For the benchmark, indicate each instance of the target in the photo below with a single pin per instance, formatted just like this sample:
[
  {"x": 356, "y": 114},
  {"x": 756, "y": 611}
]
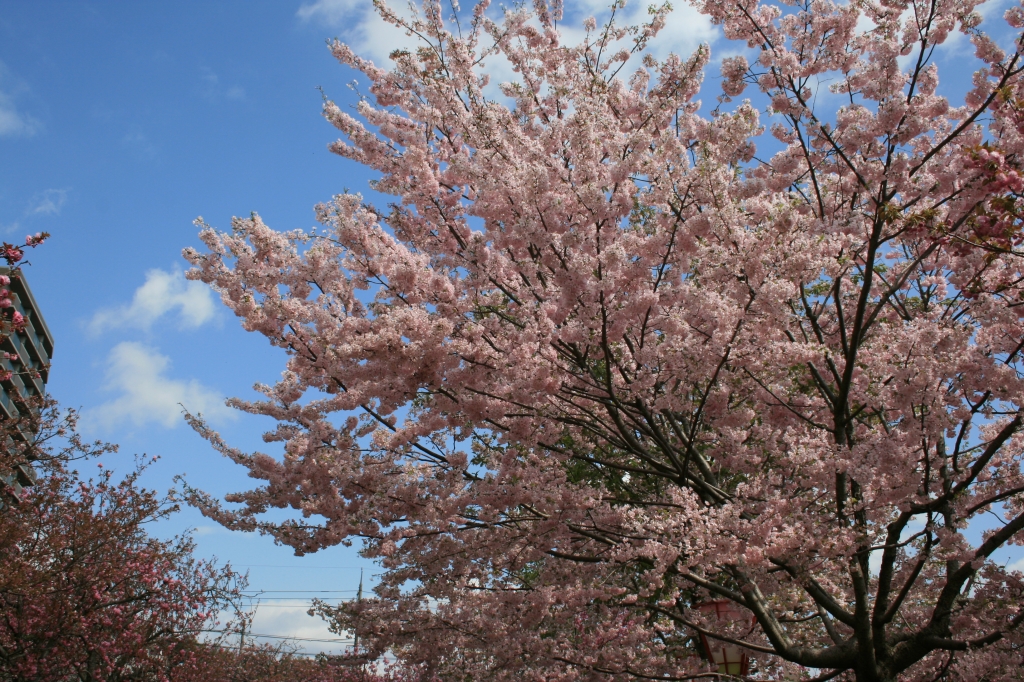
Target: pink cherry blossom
[
  {"x": 604, "y": 360},
  {"x": 85, "y": 592}
]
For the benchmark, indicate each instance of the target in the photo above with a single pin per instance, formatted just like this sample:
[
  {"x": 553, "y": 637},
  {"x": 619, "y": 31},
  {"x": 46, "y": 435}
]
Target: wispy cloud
[
  {"x": 139, "y": 143},
  {"x": 146, "y": 395},
  {"x": 162, "y": 293},
  {"x": 208, "y": 76},
  {"x": 332, "y": 12},
  {"x": 13, "y": 122},
  {"x": 47, "y": 202},
  {"x": 213, "y": 90}
]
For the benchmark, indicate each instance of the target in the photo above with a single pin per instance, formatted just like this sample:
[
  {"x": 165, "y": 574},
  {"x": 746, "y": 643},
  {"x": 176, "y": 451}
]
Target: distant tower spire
[{"x": 359, "y": 598}]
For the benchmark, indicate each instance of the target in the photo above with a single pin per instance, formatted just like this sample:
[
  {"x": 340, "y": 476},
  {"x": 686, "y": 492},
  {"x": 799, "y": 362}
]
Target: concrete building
[{"x": 26, "y": 376}]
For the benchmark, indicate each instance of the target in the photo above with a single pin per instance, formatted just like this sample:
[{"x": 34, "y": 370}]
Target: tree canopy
[{"x": 600, "y": 362}]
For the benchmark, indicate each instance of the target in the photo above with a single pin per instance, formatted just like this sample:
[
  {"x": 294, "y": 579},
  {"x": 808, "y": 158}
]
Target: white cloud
[
  {"x": 162, "y": 293},
  {"x": 371, "y": 37},
  {"x": 685, "y": 27},
  {"x": 147, "y": 395},
  {"x": 12, "y": 121},
  {"x": 48, "y": 202},
  {"x": 1017, "y": 565},
  {"x": 361, "y": 27},
  {"x": 289, "y": 618}
]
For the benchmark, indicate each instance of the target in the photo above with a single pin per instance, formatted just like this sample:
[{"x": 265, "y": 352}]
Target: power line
[
  {"x": 306, "y": 600},
  {"x": 297, "y": 639},
  {"x": 259, "y": 592},
  {"x": 282, "y": 653},
  {"x": 289, "y": 566},
  {"x": 297, "y": 605},
  {"x": 302, "y": 639}
]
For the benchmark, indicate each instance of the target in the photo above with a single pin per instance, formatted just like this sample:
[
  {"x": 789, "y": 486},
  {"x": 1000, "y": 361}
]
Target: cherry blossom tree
[
  {"x": 271, "y": 664},
  {"x": 85, "y": 593},
  {"x": 601, "y": 362}
]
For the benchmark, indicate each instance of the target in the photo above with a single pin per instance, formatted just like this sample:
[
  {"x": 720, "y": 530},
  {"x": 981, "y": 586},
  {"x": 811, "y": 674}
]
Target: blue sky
[{"x": 120, "y": 123}]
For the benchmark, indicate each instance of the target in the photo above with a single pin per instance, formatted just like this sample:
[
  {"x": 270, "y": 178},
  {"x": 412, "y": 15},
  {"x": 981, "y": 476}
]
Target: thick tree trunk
[{"x": 866, "y": 671}]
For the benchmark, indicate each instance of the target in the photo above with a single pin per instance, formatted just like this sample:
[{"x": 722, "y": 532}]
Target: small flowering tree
[
  {"x": 85, "y": 593},
  {"x": 601, "y": 363}
]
